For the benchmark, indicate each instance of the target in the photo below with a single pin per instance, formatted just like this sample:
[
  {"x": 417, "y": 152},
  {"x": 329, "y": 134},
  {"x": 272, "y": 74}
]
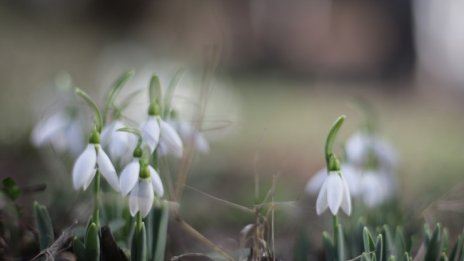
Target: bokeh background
[{"x": 287, "y": 69}]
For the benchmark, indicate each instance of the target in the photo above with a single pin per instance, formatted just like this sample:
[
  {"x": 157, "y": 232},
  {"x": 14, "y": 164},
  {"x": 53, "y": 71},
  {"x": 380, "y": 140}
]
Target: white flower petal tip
[
  {"x": 120, "y": 144},
  {"x": 151, "y": 132},
  {"x": 156, "y": 182},
  {"x": 334, "y": 194},
  {"x": 129, "y": 177},
  {"x": 170, "y": 139},
  {"x": 107, "y": 170},
  {"x": 316, "y": 181},
  {"x": 84, "y": 168},
  {"x": 141, "y": 198}
]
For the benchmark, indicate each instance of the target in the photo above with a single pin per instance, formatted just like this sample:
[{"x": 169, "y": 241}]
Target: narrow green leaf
[
  {"x": 44, "y": 226},
  {"x": 139, "y": 244},
  {"x": 331, "y": 138},
  {"x": 388, "y": 242},
  {"x": 160, "y": 230},
  {"x": 457, "y": 249},
  {"x": 115, "y": 89},
  {"x": 340, "y": 243},
  {"x": 302, "y": 247},
  {"x": 369, "y": 244},
  {"x": 154, "y": 89},
  {"x": 379, "y": 248},
  {"x": 93, "y": 106},
  {"x": 366, "y": 257},
  {"x": 170, "y": 92},
  {"x": 400, "y": 244},
  {"x": 445, "y": 238},
  {"x": 329, "y": 247},
  {"x": 433, "y": 249},
  {"x": 92, "y": 243},
  {"x": 79, "y": 249}
]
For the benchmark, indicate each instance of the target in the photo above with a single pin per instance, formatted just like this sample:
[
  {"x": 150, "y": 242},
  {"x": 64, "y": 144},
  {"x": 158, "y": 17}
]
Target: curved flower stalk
[
  {"x": 119, "y": 144},
  {"x": 92, "y": 160},
  {"x": 334, "y": 192},
  {"x": 62, "y": 131}
]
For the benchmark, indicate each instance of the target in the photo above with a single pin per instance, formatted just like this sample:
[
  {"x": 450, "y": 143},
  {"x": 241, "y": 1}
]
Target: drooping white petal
[
  {"x": 75, "y": 137},
  {"x": 87, "y": 184},
  {"x": 145, "y": 196},
  {"x": 133, "y": 200},
  {"x": 374, "y": 189},
  {"x": 188, "y": 134},
  {"x": 156, "y": 182},
  {"x": 170, "y": 138},
  {"x": 316, "y": 181},
  {"x": 107, "y": 169},
  {"x": 84, "y": 167},
  {"x": 151, "y": 132},
  {"x": 201, "y": 144},
  {"x": 352, "y": 177},
  {"x": 334, "y": 192},
  {"x": 346, "y": 201},
  {"x": 105, "y": 136},
  {"x": 357, "y": 148},
  {"x": 48, "y": 128},
  {"x": 129, "y": 177},
  {"x": 321, "y": 202}
]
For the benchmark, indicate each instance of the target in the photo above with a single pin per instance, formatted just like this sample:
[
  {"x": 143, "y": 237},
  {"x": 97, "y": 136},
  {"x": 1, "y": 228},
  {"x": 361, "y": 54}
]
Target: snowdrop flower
[
  {"x": 142, "y": 183},
  {"x": 61, "y": 131},
  {"x": 170, "y": 141},
  {"x": 376, "y": 188},
  {"x": 334, "y": 194},
  {"x": 351, "y": 175},
  {"x": 361, "y": 146},
  {"x": 120, "y": 144},
  {"x": 91, "y": 160},
  {"x": 158, "y": 133},
  {"x": 189, "y": 134},
  {"x": 150, "y": 130}
]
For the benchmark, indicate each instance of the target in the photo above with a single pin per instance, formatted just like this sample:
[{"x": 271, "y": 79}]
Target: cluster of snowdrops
[{"x": 126, "y": 154}]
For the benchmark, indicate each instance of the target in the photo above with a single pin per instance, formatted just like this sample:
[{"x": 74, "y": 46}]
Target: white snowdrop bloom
[
  {"x": 170, "y": 141},
  {"x": 376, "y": 188},
  {"x": 150, "y": 130},
  {"x": 93, "y": 158},
  {"x": 189, "y": 134},
  {"x": 334, "y": 194},
  {"x": 141, "y": 198},
  {"x": 120, "y": 144},
  {"x": 351, "y": 174},
  {"x": 129, "y": 176},
  {"x": 61, "y": 131},
  {"x": 362, "y": 145},
  {"x": 142, "y": 189}
]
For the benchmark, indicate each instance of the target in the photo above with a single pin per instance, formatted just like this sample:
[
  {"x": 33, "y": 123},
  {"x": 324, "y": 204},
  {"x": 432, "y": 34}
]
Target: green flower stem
[
  {"x": 138, "y": 221},
  {"x": 115, "y": 90},
  {"x": 335, "y": 227},
  {"x": 94, "y": 107},
  {"x": 330, "y": 158},
  {"x": 96, "y": 207}
]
